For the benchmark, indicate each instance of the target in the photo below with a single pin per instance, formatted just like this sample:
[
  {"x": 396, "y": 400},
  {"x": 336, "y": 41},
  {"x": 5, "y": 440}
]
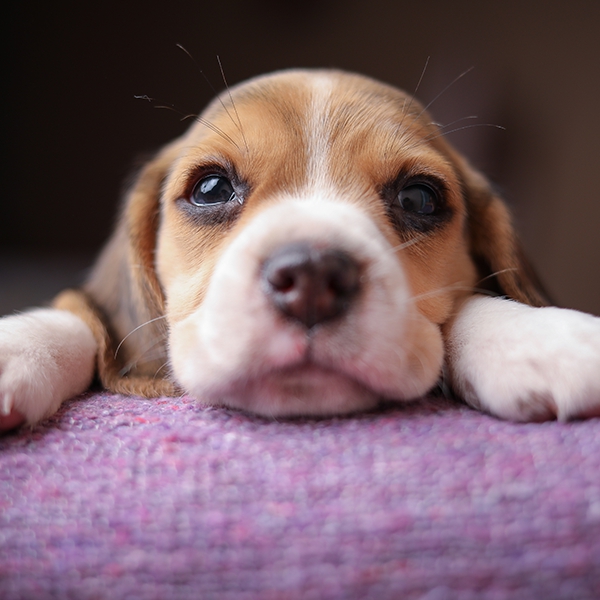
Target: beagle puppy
[{"x": 311, "y": 246}]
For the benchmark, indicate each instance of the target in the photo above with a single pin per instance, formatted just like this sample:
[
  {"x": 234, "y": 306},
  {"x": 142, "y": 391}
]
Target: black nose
[{"x": 311, "y": 285}]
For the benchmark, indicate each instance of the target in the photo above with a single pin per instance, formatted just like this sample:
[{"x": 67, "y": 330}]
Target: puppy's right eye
[
  {"x": 419, "y": 199},
  {"x": 211, "y": 190}
]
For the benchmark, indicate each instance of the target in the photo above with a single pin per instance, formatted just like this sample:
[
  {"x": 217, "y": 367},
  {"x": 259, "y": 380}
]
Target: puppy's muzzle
[{"x": 310, "y": 285}]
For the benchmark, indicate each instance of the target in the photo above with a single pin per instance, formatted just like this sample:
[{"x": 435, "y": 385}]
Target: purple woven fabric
[{"x": 125, "y": 498}]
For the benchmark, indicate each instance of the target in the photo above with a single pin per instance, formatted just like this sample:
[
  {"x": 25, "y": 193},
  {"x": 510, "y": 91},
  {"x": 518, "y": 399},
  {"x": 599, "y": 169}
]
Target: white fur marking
[
  {"x": 525, "y": 363},
  {"x": 318, "y": 138},
  {"x": 46, "y": 357}
]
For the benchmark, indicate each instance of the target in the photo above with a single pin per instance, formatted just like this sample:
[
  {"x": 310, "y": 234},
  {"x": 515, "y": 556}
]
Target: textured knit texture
[{"x": 161, "y": 499}]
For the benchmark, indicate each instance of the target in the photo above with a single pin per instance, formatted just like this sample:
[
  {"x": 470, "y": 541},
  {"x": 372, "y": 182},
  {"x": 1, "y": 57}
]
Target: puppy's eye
[
  {"x": 211, "y": 190},
  {"x": 419, "y": 199}
]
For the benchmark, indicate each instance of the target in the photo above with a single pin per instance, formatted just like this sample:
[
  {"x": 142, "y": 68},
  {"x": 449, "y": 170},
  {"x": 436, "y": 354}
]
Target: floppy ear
[
  {"x": 495, "y": 248},
  {"x": 122, "y": 302}
]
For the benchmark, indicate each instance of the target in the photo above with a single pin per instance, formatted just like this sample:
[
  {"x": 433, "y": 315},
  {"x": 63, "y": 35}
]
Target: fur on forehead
[
  {"x": 278, "y": 123},
  {"x": 293, "y": 96}
]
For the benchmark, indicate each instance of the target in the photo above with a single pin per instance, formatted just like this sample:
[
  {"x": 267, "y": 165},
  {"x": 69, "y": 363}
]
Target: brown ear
[
  {"x": 498, "y": 254},
  {"x": 122, "y": 301}
]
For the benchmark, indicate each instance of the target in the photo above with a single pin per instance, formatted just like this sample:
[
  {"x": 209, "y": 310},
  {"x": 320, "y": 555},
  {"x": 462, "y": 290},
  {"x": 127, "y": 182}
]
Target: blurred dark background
[{"x": 72, "y": 128}]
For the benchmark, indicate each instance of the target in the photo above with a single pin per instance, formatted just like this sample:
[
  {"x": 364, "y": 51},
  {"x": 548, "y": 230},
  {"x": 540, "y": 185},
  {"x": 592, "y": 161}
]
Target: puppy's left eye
[
  {"x": 211, "y": 190},
  {"x": 419, "y": 199}
]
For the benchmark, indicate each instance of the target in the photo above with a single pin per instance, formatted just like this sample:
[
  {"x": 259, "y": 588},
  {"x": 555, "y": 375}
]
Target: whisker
[
  {"x": 136, "y": 329},
  {"x": 160, "y": 369},
  {"x": 239, "y": 122},
  {"x": 149, "y": 354},
  {"x": 442, "y": 127},
  {"x": 427, "y": 106},
  {"x": 507, "y": 270},
  {"x": 184, "y": 116},
  {"x": 437, "y": 291},
  {"x": 406, "y": 109},
  {"x": 452, "y": 288},
  {"x": 206, "y": 79},
  {"x": 217, "y": 95},
  {"x": 476, "y": 289},
  {"x": 407, "y": 244},
  {"x": 438, "y": 134}
]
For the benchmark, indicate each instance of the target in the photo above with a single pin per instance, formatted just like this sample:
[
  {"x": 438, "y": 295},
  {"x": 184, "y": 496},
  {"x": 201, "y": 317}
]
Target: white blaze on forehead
[{"x": 318, "y": 132}]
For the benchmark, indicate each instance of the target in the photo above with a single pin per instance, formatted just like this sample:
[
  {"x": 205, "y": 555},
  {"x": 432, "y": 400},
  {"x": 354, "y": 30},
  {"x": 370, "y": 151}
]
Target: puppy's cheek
[
  {"x": 388, "y": 344},
  {"x": 426, "y": 357},
  {"x": 404, "y": 362},
  {"x": 208, "y": 349},
  {"x": 193, "y": 359},
  {"x": 181, "y": 344}
]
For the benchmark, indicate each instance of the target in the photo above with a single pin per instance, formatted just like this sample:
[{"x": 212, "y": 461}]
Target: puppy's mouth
[{"x": 306, "y": 389}]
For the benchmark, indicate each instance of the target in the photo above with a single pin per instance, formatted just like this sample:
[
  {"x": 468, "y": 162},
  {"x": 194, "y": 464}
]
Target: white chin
[{"x": 295, "y": 391}]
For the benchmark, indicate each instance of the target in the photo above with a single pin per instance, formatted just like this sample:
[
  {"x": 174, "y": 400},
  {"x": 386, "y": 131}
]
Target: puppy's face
[{"x": 311, "y": 247}]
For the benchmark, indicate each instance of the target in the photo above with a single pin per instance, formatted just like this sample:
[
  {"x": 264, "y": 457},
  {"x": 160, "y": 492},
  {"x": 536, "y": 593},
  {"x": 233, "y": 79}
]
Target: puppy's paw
[
  {"x": 524, "y": 363},
  {"x": 46, "y": 356}
]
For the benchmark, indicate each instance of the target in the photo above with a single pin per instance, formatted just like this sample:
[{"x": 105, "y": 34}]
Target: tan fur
[{"x": 381, "y": 128}]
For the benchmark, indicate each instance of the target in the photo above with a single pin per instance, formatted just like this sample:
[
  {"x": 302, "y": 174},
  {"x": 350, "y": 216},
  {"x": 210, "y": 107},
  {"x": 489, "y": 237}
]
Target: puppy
[{"x": 311, "y": 246}]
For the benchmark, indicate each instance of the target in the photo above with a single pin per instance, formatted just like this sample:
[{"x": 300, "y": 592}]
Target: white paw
[
  {"x": 46, "y": 356},
  {"x": 524, "y": 363}
]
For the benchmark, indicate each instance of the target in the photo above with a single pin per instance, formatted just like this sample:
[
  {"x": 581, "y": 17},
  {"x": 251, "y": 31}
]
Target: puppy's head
[{"x": 302, "y": 249}]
